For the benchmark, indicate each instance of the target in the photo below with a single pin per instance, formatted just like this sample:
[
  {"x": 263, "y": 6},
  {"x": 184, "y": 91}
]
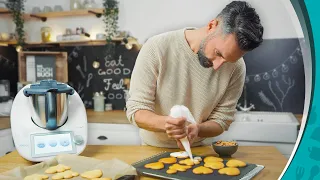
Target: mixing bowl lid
[{"x": 47, "y": 86}]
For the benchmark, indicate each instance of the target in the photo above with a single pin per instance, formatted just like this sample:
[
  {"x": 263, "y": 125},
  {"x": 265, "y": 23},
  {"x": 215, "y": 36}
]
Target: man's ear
[{"x": 212, "y": 25}]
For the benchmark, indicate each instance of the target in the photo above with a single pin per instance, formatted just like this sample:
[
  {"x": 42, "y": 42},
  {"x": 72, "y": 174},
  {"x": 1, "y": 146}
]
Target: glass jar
[
  {"x": 75, "y": 4},
  {"x": 46, "y": 34}
]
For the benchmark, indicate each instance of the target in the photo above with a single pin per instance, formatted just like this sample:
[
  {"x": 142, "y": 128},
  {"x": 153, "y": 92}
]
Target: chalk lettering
[
  {"x": 108, "y": 81},
  {"x": 126, "y": 71},
  {"x": 118, "y": 96},
  {"x": 118, "y": 86}
]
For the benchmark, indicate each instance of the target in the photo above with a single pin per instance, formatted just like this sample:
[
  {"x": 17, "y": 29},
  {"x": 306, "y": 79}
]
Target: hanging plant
[
  {"x": 16, "y": 7},
  {"x": 111, "y": 12}
]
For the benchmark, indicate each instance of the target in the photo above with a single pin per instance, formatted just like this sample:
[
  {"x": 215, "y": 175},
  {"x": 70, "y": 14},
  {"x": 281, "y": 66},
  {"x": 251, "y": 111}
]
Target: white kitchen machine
[{"x": 47, "y": 119}]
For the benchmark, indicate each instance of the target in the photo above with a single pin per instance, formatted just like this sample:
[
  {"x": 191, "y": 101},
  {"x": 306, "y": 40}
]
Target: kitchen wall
[{"x": 144, "y": 18}]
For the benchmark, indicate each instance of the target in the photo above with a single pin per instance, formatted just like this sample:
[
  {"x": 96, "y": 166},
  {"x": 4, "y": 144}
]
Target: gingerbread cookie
[
  {"x": 155, "y": 165},
  {"x": 198, "y": 158},
  {"x": 229, "y": 171},
  {"x": 36, "y": 177},
  {"x": 171, "y": 171},
  {"x": 214, "y": 165},
  {"x": 202, "y": 170},
  {"x": 212, "y": 158},
  {"x": 65, "y": 175},
  {"x": 179, "y": 167},
  {"x": 181, "y": 154},
  {"x": 58, "y": 168},
  {"x": 169, "y": 160},
  {"x": 97, "y": 173},
  {"x": 236, "y": 163},
  {"x": 189, "y": 162}
]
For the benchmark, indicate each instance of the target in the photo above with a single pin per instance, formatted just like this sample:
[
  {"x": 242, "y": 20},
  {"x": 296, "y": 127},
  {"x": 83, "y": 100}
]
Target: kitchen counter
[
  {"x": 270, "y": 157},
  {"x": 109, "y": 117}
]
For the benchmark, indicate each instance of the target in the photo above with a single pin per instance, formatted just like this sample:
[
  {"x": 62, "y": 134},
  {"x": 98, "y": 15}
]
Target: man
[{"x": 202, "y": 69}]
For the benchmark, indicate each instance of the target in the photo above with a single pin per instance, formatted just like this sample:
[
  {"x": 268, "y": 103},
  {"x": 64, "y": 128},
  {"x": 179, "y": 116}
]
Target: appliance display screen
[{"x": 48, "y": 144}]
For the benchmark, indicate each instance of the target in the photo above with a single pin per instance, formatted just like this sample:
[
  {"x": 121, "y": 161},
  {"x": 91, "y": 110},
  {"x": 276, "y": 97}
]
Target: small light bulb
[
  {"x": 18, "y": 48},
  {"x": 128, "y": 46}
]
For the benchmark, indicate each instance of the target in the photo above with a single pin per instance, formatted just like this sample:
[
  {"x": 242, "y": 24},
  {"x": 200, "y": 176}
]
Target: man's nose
[{"x": 218, "y": 63}]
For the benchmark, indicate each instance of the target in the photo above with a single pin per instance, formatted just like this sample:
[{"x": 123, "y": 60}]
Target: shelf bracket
[
  {"x": 43, "y": 19},
  {"x": 95, "y": 13}
]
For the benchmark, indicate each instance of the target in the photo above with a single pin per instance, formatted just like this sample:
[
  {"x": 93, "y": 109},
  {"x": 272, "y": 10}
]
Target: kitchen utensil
[
  {"x": 314, "y": 172},
  {"x": 299, "y": 173},
  {"x": 224, "y": 151},
  {"x": 48, "y": 118},
  {"x": 314, "y": 153},
  {"x": 247, "y": 172},
  {"x": 57, "y": 8},
  {"x": 36, "y": 10},
  {"x": 47, "y": 9},
  {"x": 178, "y": 111},
  {"x": 80, "y": 70}
]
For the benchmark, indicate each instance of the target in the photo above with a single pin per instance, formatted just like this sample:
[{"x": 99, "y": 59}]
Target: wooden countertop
[
  {"x": 109, "y": 117},
  {"x": 268, "y": 156}
]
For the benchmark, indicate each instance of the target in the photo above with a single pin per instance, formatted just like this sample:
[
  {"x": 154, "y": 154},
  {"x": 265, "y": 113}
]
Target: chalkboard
[
  {"x": 107, "y": 78},
  {"x": 275, "y": 76},
  {"x": 8, "y": 67}
]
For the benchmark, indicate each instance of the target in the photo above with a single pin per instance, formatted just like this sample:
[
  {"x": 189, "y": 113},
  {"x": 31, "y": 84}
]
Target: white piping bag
[{"x": 178, "y": 111}]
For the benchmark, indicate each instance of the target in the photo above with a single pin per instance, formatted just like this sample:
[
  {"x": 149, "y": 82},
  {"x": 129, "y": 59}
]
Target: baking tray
[{"x": 246, "y": 173}]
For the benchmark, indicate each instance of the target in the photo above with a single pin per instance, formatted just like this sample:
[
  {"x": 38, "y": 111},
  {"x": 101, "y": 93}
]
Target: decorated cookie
[
  {"x": 36, "y": 177},
  {"x": 202, "y": 170},
  {"x": 65, "y": 175},
  {"x": 198, "y": 158},
  {"x": 214, "y": 164},
  {"x": 155, "y": 165},
  {"x": 189, "y": 162},
  {"x": 58, "y": 168},
  {"x": 97, "y": 173},
  {"x": 179, "y": 167},
  {"x": 171, "y": 171},
  {"x": 181, "y": 154},
  {"x": 169, "y": 160},
  {"x": 229, "y": 171},
  {"x": 212, "y": 158},
  {"x": 236, "y": 163}
]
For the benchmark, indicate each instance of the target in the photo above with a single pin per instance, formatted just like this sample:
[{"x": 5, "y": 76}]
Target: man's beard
[{"x": 204, "y": 61}]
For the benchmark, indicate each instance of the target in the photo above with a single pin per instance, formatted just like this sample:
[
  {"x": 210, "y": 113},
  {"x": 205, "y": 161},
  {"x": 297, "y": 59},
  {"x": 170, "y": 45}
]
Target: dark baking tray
[{"x": 245, "y": 173}]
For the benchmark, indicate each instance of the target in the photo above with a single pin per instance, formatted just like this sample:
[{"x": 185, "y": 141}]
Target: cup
[
  {"x": 36, "y": 10},
  {"x": 58, "y": 8},
  {"x": 314, "y": 153},
  {"x": 47, "y": 9}
]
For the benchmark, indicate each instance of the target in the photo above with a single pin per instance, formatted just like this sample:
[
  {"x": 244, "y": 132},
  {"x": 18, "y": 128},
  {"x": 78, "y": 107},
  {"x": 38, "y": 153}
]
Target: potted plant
[{"x": 16, "y": 7}]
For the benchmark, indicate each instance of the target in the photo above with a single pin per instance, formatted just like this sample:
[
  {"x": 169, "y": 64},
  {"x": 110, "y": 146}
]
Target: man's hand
[
  {"x": 175, "y": 127},
  {"x": 192, "y": 133}
]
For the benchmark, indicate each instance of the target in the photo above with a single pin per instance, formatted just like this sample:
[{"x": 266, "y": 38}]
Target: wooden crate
[{"x": 61, "y": 65}]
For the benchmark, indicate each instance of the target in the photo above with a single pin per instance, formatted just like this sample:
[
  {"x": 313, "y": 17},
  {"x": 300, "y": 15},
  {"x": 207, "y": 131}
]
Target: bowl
[{"x": 225, "y": 148}]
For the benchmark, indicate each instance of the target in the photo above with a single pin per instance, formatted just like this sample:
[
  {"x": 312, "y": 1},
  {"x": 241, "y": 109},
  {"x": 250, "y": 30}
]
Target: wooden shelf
[
  {"x": 66, "y": 43},
  {"x": 44, "y": 16}
]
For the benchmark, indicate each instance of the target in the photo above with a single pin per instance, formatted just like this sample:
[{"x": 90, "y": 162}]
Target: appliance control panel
[{"x": 51, "y": 144}]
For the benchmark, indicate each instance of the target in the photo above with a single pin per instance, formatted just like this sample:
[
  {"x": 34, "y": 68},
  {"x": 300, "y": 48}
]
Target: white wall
[{"x": 144, "y": 18}]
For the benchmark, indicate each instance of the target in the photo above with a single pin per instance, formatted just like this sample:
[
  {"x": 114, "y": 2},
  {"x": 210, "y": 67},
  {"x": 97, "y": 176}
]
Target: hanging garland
[
  {"x": 293, "y": 59},
  {"x": 111, "y": 12},
  {"x": 16, "y": 7}
]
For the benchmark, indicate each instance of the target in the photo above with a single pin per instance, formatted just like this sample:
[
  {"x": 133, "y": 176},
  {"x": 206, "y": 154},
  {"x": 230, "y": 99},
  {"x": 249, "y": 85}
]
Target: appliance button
[
  {"x": 64, "y": 142},
  {"x": 53, "y": 143},
  {"x": 78, "y": 140},
  {"x": 41, "y": 145}
]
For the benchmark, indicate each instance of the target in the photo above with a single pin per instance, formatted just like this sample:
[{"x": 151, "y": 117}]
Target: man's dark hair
[{"x": 240, "y": 18}]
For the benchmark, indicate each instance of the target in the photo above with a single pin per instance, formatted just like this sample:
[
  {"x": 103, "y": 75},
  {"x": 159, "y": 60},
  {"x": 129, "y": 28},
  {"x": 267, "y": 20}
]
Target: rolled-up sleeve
[
  {"x": 143, "y": 81},
  {"x": 224, "y": 112}
]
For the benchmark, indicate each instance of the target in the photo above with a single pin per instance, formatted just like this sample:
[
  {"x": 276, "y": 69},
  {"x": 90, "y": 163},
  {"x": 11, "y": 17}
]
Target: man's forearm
[
  {"x": 150, "y": 121},
  {"x": 210, "y": 129}
]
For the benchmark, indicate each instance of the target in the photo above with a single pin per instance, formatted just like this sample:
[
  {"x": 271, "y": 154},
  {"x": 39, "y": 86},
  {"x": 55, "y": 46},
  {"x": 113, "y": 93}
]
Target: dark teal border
[{"x": 306, "y": 160}]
